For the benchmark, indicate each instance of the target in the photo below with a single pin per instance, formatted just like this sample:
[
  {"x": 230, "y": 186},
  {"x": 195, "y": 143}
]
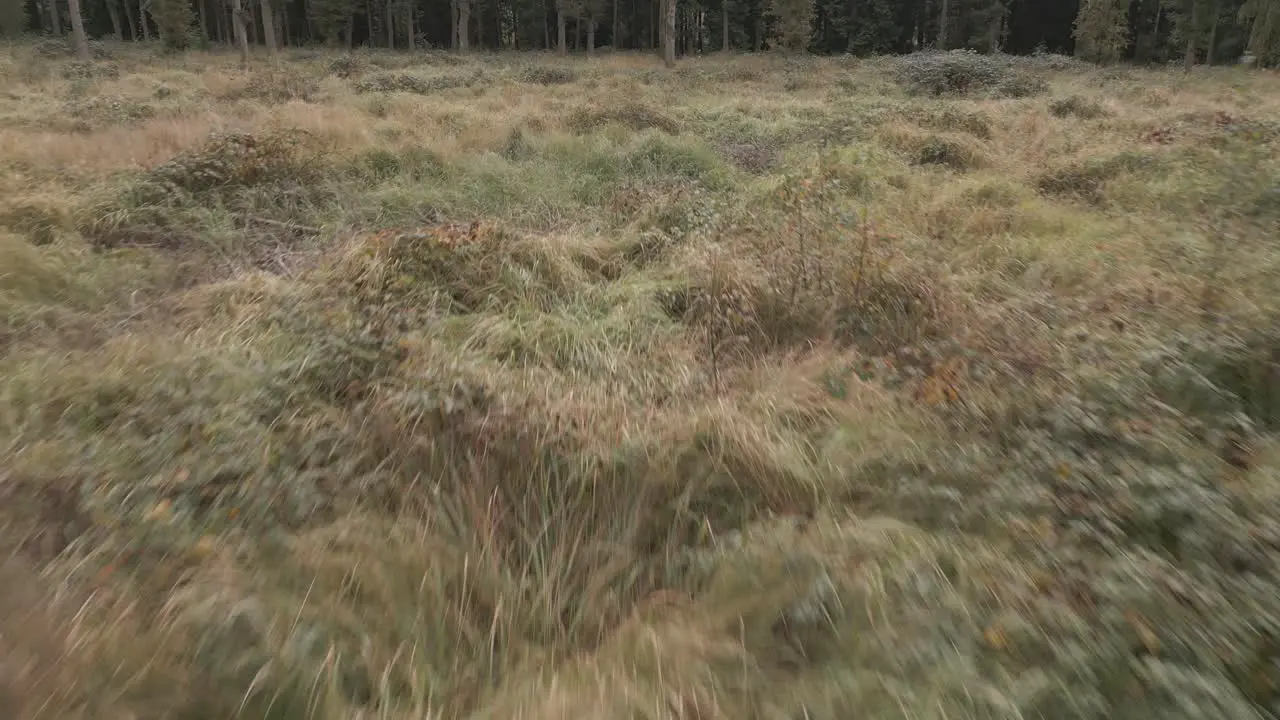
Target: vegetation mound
[{"x": 611, "y": 392}]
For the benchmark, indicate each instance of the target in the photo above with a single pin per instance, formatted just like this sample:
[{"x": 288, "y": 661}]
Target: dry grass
[{"x": 519, "y": 386}]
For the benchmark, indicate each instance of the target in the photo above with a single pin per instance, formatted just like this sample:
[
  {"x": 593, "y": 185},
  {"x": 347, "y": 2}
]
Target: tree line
[{"x": 1142, "y": 31}]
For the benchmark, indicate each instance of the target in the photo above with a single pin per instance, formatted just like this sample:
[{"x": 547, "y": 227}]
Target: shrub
[
  {"x": 99, "y": 111},
  {"x": 276, "y": 85},
  {"x": 634, "y": 116},
  {"x": 415, "y": 84},
  {"x": 344, "y": 66},
  {"x": 547, "y": 75},
  {"x": 950, "y": 118},
  {"x": 231, "y": 160},
  {"x": 950, "y": 153},
  {"x": 1020, "y": 85},
  {"x": 944, "y": 73},
  {"x": 751, "y": 157},
  {"x": 57, "y": 48},
  {"x": 416, "y": 163},
  {"x": 1085, "y": 181},
  {"x": 1077, "y": 106},
  {"x": 80, "y": 70}
]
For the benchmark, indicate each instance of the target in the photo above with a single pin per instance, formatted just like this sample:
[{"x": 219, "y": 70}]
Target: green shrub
[{"x": 957, "y": 72}]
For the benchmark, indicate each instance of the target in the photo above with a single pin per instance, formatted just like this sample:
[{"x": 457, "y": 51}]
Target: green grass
[{"x": 547, "y": 388}]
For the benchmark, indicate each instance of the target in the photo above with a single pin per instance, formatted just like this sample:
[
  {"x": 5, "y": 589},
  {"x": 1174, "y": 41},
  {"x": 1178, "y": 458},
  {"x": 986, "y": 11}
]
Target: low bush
[
  {"x": 957, "y": 72},
  {"x": 634, "y": 116},
  {"x": 547, "y": 75},
  {"x": 415, "y": 84},
  {"x": 343, "y": 66},
  {"x": 105, "y": 111},
  {"x": 1077, "y": 106},
  {"x": 275, "y": 85}
]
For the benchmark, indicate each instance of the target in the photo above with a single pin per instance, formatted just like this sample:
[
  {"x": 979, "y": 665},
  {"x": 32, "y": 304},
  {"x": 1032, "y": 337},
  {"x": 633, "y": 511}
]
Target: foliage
[
  {"x": 756, "y": 389},
  {"x": 547, "y": 75},
  {"x": 1077, "y": 106},
  {"x": 957, "y": 72},
  {"x": 174, "y": 19},
  {"x": 344, "y": 66},
  {"x": 416, "y": 84},
  {"x": 1102, "y": 30},
  {"x": 792, "y": 22}
]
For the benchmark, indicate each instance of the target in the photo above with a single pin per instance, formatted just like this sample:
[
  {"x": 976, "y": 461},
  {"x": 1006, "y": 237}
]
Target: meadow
[{"x": 391, "y": 385}]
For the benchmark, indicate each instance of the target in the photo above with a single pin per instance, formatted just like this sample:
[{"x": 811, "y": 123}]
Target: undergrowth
[{"x": 606, "y": 392}]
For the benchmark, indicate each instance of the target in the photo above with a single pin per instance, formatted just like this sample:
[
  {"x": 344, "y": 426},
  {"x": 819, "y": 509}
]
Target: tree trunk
[
  {"x": 1213, "y": 34},
  {"x": 391, "y": 28},
  {"x": 114, "y": 12},
  {"x": 128, "y": 18},
  {"x": 204, "y": 18},
  {"x": 654, "y": 12},
  {"x": 224, "y": 31},
  {"x": 1189, "y": 57},
  {"x": 453, "y": 24},
  {"x": 351, "y": 30},
  {"x": 77, "y": 31},
  {"x": 268, "y": 27},
  {"x": 142, "y": 22},
  {"x": 546, "y": 31},
  {"x": 617, "y": 28},
  {"x": 237, "y": 26},
  {"x": 669, "y": 28},
  {"x": 724, "y": 30},
  {"x": 409, "y": 28},
  {"x": 944, "y": 19},
  {"x": 561, "y": 30},
  {"x": 54, "y": 19},
  {"x": 591, "y": 36},
  {"x": 464, "y": 25},
  {"x": 851, "y": 42}
]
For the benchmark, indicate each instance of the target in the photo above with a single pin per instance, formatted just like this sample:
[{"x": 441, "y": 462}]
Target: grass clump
[
  {"x": 274, "y": 86},
  {"x": 957, "y": 72},
  {"x": 547, "y": 75},
  {"x": 344, "y": 66},
  {"x": 732, "y": 394},
  {"x": 99, "y": 111},
  {"x": 1087, "y": 181},
  {"x": 1077, "y": 106},
  {"x": 633, "y": 116},
  {"x": 408, "y": 83}
]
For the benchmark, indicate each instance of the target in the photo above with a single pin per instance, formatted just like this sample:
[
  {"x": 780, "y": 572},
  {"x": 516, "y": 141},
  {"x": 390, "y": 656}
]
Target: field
[{"x": 514, "y": 386}]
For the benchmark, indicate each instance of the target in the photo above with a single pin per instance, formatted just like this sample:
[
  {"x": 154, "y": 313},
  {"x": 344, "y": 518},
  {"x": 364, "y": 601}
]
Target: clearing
[{"x": 419, "y": 386}]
